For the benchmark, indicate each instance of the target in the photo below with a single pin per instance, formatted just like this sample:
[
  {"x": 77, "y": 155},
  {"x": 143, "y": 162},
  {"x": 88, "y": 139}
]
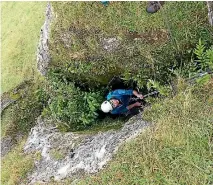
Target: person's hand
[
  {"x": 137, "y": 104},
  {"x": 140, "y": 96}
]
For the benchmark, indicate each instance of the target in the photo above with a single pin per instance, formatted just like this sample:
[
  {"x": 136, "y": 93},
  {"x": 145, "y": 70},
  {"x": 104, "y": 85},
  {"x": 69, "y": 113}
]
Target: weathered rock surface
[
  {"x": 5, "y": 102},
  {"x": 210, "y": 12},
  {"x": 110, "y": 44},
  {"x": 43, "y": 55},
  {"x": 84, "y": 153},
  {"x": 6, "y": 145}
]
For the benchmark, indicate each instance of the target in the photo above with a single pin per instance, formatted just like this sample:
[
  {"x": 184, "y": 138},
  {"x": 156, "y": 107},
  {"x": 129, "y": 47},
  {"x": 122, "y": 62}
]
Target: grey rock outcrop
[
  {"x": 7, "y": 144},
  {"x": 210, "y": 12},
  {"x": 5, "y": 102},
  {"x": 43, "y": 55},
  {"x": 84, "y": 153}
]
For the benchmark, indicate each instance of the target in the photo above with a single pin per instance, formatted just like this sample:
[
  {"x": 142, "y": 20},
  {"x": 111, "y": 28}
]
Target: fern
[
  {"x": 204, "y": 57},
  {"x": 199, "y": 51},
  {"x": 209, "y": 58}
]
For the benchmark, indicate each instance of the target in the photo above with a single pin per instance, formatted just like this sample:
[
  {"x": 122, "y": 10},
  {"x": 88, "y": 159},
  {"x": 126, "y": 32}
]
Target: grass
[
  {"x": 163, "y": 40},
  {"x": 87, "y": 22},
  {"x": 56, "y": 154},
  {"x": 16, "y": 165},
  {"x": 20, "y": 28},
  {"x": 177, "y": 150},
  {"x": 21, "y": 116}
]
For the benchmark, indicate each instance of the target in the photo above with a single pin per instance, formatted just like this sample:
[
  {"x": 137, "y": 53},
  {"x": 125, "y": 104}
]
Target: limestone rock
[
  {"x": 43, "y": 55},
  {"x": 210, "y": 12},
  {"x": 84, "y": 153},
  {"x": 7, "y": 144}
]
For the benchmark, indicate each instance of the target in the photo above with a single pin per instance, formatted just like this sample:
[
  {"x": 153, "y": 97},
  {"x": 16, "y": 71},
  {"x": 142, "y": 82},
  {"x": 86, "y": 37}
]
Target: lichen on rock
[{"x": 84, "y": 153}]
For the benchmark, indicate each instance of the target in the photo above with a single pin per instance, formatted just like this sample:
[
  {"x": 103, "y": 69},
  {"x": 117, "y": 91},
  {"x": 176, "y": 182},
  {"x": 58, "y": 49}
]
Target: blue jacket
[{"x": 123, "y": 96}]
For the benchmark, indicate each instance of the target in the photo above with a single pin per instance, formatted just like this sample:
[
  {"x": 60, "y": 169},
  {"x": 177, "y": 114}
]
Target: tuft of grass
[
  {"x": 176, "y": 150},
  {"x": 56, "y": 154},
  {"x": 16, "y": 165},
  {"x": 20, "y": 28}
]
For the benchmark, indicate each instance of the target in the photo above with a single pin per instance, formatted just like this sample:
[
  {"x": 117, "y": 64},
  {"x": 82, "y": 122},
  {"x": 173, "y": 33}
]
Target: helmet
[{"x": 106, "y": 106}]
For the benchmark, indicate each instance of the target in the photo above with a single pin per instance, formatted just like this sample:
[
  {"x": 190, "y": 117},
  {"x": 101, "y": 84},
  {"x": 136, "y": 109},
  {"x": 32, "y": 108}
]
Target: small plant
[
  {"x": 204, "y": 56},
  {"x": 56, "y": 154},
  {"x": 201, "y": 63},
  {"x": 163, "y": 90}
]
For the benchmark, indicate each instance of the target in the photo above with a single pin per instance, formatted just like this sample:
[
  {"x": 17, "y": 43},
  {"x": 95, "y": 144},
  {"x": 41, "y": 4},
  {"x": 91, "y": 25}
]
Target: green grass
[
  {"x": 88, "y": 22},
  {"x": 21, "y": 116},
  {"x": 15, "y": 166},
  {"x": 165, "y": 38},
  {"x": 56, "y": 154},
  {"x": 20, "y": 29},
  {"x": 177, "y": 150}
]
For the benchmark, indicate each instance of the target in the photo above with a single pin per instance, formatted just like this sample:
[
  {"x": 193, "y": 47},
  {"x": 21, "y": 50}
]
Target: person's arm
[
  {"x": 127, "y": 92},
  {"x": 136, "y": 104},
  {"x": 137, "y": 94}
]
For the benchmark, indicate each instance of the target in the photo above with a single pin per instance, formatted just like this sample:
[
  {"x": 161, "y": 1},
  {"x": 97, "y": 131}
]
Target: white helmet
[{"x": 106, "y": 106}]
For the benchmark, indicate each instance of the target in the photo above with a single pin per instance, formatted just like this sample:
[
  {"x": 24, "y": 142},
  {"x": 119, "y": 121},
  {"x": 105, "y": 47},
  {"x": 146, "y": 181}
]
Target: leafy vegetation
[
  {"x": 149, "y": 54},
  {"x": 20, "y": 29},
  {"x": 74, "y": 109}
]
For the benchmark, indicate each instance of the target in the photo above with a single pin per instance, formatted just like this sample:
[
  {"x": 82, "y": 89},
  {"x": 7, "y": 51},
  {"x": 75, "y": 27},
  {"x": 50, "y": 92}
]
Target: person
[
  {"x": 119, "y": 101},
  {"x": 154, "y": 6}
]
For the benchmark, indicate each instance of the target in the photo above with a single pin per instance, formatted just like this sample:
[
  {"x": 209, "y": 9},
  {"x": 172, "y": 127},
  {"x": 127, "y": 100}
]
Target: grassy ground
[
  {"x": 21, "y": 116},
  {"x": 15, "y": 165},
  {"x": 119, "y": 18},
  {"x": 162, "y": 39},
  {"x": 177, "y": 150},
  {"x": 20, "y": 29}
]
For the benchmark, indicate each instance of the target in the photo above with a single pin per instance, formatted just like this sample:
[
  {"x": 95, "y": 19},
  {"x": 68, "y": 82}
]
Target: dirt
[{"x": 152, "y": 37}]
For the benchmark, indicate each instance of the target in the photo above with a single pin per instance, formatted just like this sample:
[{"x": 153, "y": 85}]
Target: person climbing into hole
[
  {"x": 119, "y": 101},
  {"x": 123, "y": 99}
]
